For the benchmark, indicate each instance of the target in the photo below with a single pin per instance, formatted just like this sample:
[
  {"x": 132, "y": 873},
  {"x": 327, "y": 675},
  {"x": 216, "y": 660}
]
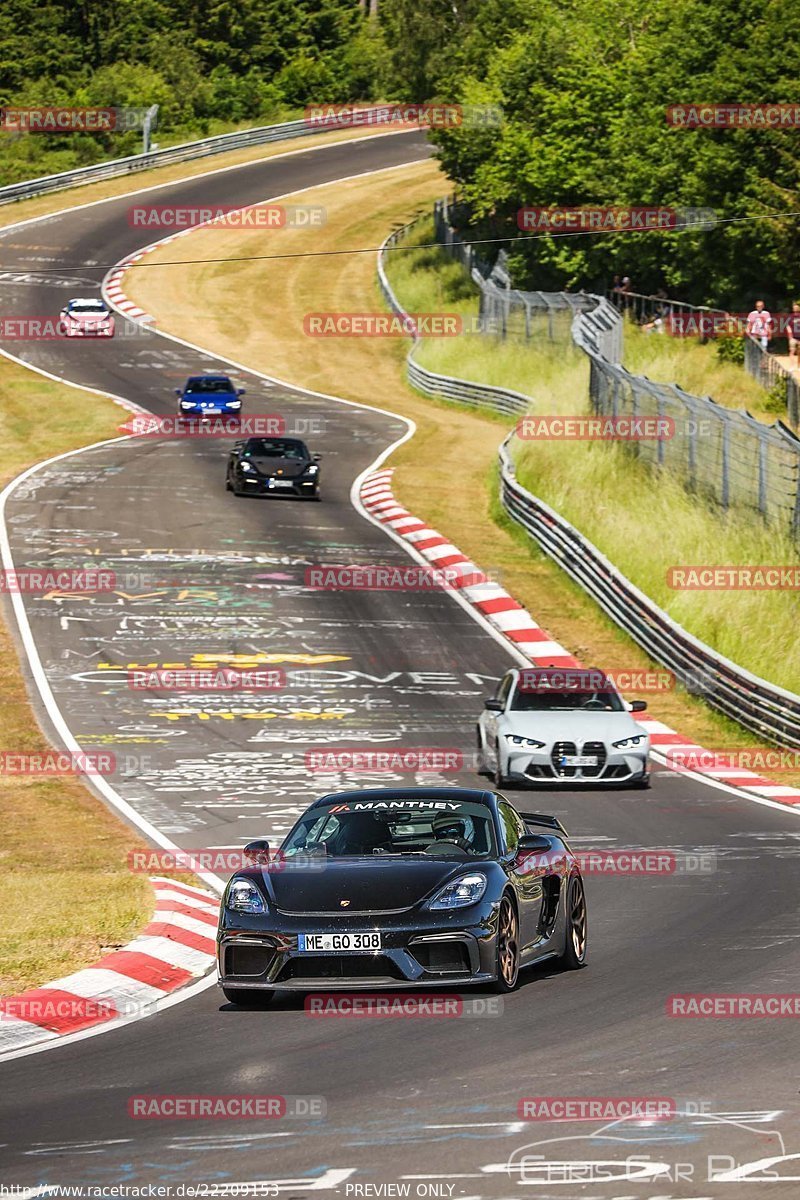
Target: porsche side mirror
[
  {"x": 257, "y": 853},
  {"x": 638, "y": 705},
  {"x": 533, "y": 843},
  {"x": 315, "y": 457},
  {"x": 494, "y": 705}
]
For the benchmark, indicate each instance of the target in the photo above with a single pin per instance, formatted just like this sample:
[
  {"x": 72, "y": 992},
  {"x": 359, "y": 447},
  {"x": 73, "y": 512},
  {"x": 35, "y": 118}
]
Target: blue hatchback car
[{"x": 209, "y": 396}]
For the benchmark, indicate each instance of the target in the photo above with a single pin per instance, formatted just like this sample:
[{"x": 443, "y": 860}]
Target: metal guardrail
[
  {"x": 431, "y": 383},
  {"x": 760, "y": 706},
  {"x": 171, "y": 154}
]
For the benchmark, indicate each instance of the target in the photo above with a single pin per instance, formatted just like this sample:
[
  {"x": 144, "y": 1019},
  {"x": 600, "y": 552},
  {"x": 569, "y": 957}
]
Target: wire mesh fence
[{"x": 724, "y": 455}]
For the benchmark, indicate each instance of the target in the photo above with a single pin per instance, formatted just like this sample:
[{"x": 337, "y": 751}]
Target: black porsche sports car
[
  {"x": 402, "y": 888},
  {"x": 260, "y": 466}
]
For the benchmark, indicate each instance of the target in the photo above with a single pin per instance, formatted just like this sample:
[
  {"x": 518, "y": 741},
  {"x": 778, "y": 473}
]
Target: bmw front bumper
[{"x": 613, "y": 769}]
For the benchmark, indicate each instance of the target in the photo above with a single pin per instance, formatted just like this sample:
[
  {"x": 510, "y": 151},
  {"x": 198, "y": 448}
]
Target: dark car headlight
[
  {"x": 458, "y": 893},
  {"x": 624, "y": 743},
  {"x": 312, "y": 470},
  {"x": 246, "y": 466},
  {"x": 244, "y": 896}
]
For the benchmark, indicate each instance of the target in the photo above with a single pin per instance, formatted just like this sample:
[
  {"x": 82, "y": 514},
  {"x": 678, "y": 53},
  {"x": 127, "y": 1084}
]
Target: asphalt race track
[{"x": 429, "y": 1105}]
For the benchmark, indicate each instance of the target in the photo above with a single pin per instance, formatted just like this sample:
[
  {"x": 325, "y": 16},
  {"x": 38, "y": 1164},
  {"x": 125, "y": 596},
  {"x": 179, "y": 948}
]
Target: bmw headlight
[
  {"x": 244, "y": 896},
  {"x": 468, "y": 889},
  {"x": 627, "y": 742},
  {"x": 187, "y": 403},
  {"x": 245, "y": 466},
  {"x": 234, "y": 404},
  {"x": 524, "y": 743}
]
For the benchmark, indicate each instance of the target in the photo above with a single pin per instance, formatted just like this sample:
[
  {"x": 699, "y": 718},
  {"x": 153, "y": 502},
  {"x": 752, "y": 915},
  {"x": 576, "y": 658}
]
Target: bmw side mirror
[
  {"x": 177, "y": 391},
  {"x": 257, "y": 853},
  {"x": 494, "y": 705},
  {"x": 638, "y": 705},
  {"x": 240, "y": 391}
]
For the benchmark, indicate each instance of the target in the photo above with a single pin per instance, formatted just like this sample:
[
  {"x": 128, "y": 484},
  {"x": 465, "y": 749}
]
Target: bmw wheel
[
  {"x": 574, "y": 956},
  {"x": 507, "y": 946},
  {"x": 498, "y": 778}
]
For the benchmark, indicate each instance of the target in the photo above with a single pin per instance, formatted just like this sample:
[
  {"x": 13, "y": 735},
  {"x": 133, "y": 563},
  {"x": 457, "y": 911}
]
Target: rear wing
[{"x": 543, "y": 819}]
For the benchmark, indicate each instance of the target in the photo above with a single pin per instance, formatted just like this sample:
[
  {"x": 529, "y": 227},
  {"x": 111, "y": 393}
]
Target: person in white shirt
[{"x": 759, "y": 324}]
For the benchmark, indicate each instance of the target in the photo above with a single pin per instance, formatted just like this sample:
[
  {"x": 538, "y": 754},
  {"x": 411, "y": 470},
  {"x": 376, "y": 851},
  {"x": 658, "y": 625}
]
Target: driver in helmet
[{"x": 451, "y": 830}]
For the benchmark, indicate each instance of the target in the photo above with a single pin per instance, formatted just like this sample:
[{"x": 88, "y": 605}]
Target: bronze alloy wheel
[
  {"x": 574, "y": 956},
  {"x": 507, "y": 946}
]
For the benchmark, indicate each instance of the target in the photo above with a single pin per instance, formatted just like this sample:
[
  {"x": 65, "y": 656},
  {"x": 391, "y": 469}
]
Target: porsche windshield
[
  {"x": 457, "y": 830},
  {"x": 275, "y": 448}
]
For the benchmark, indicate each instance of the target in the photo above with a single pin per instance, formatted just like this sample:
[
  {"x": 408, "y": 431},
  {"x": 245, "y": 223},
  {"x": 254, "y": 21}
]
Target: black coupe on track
[
  {"x": 402, "y": 888},
  {"x": 260, "y": 466}
]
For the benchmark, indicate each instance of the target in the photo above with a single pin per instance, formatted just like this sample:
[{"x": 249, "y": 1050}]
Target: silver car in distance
[{"x": 562, "y": 728}]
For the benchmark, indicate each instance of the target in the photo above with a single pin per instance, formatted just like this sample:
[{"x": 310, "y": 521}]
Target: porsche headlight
[
  {"x": 312, "y": 470},
  {"x": 524, "y": 743},
  {"x": 244, "y": 896},
  {"x": 458, "y": 893},
  {"x": 626, "y": 743},
  {"x": 245, "y": 466}
]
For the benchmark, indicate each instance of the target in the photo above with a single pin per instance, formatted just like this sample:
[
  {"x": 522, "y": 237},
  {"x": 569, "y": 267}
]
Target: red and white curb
[
  {"x": 518, "y": 627},
  {"x": 176, "y": 948},
  {"x": 112, "y": 290}
]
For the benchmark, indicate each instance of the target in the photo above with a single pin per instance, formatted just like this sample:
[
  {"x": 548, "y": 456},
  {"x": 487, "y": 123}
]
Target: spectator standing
[
  {"x": 793, "y": 330},
  {"x": 759, "y": 324}
]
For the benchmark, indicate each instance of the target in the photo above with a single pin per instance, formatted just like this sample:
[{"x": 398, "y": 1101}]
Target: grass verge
[
  {"x": 210, "y": 304},
  {"x": 59, "y": 842}
]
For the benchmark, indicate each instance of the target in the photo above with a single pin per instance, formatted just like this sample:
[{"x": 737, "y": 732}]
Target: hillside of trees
[{"x": 583, "y": 90}]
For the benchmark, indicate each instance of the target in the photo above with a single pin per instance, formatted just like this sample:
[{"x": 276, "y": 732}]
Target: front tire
[
  {"x": 498, "y": 778},
  {"x": 507, "y": 947},
  {"x": 252, "y": 998},
  {"x": 575, "y": 938}
]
